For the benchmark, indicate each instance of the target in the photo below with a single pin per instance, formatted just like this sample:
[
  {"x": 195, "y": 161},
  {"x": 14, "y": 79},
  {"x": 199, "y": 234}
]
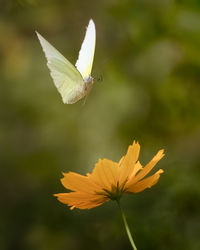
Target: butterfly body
[
  {"x": 72, "y": 82},
  {"x": 88, "y": 83}
]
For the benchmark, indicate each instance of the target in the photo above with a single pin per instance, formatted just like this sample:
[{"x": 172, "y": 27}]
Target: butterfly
[{"x": 72, "y": 82}]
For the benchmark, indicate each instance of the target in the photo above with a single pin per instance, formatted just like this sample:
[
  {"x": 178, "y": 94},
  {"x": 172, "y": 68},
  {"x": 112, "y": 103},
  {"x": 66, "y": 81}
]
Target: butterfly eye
[{"x": 98, "y": 78}]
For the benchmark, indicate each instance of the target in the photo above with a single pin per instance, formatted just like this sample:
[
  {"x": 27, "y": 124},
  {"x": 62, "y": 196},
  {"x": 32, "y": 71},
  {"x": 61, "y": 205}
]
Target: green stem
[{"x": 126, "y": 226}]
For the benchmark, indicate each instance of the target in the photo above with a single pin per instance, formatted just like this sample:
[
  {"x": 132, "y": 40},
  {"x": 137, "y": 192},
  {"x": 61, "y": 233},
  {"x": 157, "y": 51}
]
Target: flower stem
[{"x": 126, "y": 226}]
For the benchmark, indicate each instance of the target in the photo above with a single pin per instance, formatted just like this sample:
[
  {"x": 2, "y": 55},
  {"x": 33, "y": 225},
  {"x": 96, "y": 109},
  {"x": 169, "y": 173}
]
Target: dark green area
[{"x": 148, "y": 53}]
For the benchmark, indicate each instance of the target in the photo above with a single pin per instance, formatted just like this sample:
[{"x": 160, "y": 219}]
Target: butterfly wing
[
  {"x": 66, "y": 77},
  {"x": 86, "y": 53}
]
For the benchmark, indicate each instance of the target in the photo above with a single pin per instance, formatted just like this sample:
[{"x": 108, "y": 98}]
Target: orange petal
[
  {"x": 77, "y": 182},
  {"x": 121, "y": 160},
  {"x": 149, "y": 166},
  {"x": 81, "y": 200},
  {"x": 128, "y": 163},
  {"x": 138, "y": 166},
  {"x": 131, "y": 179},
  {"x": 88, "y": 205},
  {"x": 145, "y": 183},
  {"x": 105, "y": 173}
]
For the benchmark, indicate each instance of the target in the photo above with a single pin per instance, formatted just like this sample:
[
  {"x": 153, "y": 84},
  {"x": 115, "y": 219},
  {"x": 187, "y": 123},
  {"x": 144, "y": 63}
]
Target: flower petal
[
  {"x": 145, "y": 183},
  {"x": 138, "y": 166},
  {"x": 149, "y": 166},
  {"x": 131, "y": 179},
  {"x": 128, "y": 163},
  {"x": 77, "y": 182},
  {"x": 105, "y": 173},
  {"x": 81, "y": 200}
]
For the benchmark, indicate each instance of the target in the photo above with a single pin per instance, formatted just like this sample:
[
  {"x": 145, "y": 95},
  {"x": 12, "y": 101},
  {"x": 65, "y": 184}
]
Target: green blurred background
[{"x": 148, "y": 54}]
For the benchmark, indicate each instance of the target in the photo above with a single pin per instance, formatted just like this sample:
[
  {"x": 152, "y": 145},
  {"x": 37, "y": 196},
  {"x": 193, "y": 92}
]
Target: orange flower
[{"x": 109, "y": 180}]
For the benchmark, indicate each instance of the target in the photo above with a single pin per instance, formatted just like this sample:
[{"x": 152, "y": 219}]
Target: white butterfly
[{"x": 73, "y": 83}]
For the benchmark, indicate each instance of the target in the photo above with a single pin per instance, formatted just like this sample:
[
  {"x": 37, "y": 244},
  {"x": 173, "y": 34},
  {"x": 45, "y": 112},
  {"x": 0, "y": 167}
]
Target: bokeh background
[{"x": 148, "y": 54}]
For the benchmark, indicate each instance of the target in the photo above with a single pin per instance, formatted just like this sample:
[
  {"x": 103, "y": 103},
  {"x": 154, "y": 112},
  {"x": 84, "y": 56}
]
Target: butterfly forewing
[
  {"x": 66, "y": 77},
  {"x": 86, "y": 53}
]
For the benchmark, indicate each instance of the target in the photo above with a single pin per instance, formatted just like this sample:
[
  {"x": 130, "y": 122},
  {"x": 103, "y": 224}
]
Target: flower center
[{"x": 115, "y": 193}]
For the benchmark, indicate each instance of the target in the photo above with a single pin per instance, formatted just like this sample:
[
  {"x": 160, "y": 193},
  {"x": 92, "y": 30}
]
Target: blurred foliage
[{"x": 148, "y": 55}]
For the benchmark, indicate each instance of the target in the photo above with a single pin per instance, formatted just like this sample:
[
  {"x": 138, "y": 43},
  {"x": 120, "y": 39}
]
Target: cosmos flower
[{"x": 109, "y": 180}]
